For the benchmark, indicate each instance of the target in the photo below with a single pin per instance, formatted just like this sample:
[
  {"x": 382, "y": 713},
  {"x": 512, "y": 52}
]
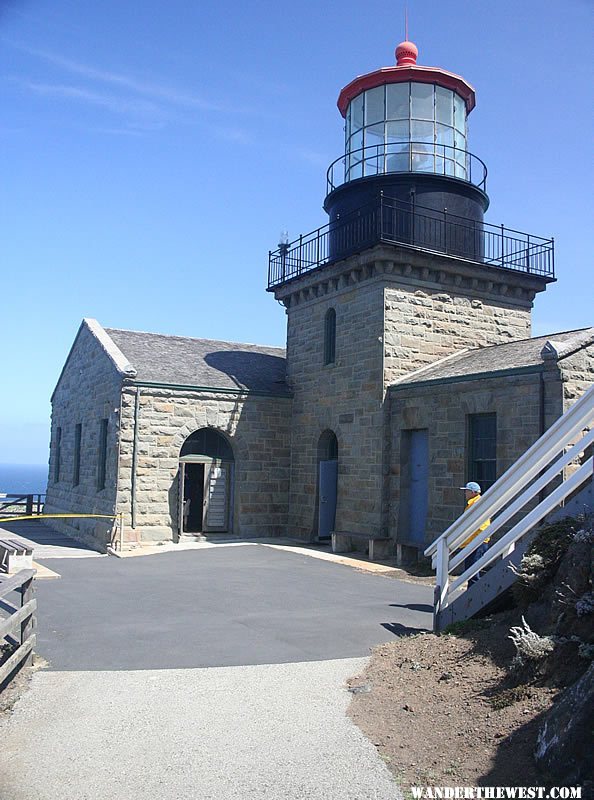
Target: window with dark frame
[
  {"x": 58, "y": 455},
  {"x": 328, "y": 446},
  {"x": 102, "y": 466},
  {"x": 330, "y": 336},
  {"x": 482, "y": 449},
  {"x": 76, "y": 467},
  {"x": 208, "y": 442}
]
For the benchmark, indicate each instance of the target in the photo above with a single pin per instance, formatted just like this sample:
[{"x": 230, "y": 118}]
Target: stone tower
[{"x": 405, "y": 273}]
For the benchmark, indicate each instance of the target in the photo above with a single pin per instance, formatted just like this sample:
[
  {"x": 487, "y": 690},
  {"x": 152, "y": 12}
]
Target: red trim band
[{"x": 434, "y": 75}]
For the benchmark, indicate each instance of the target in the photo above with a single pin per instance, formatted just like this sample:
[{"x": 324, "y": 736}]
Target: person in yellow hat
[{"x": 472, "y": 493}]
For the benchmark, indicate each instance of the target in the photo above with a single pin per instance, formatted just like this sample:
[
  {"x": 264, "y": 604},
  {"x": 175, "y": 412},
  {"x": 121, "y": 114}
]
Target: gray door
[
  {"x": 327, "y": 509},
  {"x": 419, "y": 485}
]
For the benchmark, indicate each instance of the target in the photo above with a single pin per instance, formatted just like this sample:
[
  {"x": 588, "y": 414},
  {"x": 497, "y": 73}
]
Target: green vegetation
[
  {"x": 509, "y": 696},
  {"x": 543, "y": 557},
  {"x": 466, "y": 626}
]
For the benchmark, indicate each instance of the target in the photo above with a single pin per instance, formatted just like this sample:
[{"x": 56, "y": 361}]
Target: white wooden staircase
[{"x": 540, "y": 481}]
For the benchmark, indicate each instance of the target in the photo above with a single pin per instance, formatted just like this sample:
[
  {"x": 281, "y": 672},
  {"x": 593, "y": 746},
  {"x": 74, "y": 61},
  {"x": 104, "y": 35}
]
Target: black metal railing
[
  {"x": 394, "y": 157},
  {"x": 21, "y": 504},
  {"x": 390, "y": 220}
]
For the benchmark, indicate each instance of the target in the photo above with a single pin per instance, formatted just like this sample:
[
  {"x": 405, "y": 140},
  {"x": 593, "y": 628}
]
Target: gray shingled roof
[
  {"x": 521, "y": 354},
  {"x": 180, "y": 360}
]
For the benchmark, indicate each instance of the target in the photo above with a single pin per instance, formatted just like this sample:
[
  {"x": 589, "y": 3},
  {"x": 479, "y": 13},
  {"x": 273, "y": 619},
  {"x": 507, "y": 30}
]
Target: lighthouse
[
  {"x": 406, "y": 140},
  {"x": 405, "y": 273}
]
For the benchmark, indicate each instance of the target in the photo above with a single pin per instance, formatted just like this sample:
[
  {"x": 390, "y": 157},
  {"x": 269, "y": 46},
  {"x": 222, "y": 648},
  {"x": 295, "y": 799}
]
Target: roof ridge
[
  {"x": 196, "y": 338},
  {"x": 536, "y": 338},
  {"x": 544, "y": 337},
  {"x": 406, "y": 376},
  {"x": 560, "y": 349}
]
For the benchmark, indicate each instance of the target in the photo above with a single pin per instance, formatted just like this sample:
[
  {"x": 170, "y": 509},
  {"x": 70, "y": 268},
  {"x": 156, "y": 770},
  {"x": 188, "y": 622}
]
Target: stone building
[
  {"x": 154, "y": 426},
  {"x": 409, "y": 366}
]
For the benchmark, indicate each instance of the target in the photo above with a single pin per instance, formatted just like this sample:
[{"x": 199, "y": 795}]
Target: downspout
[
  {"x": 117, "y": 471},
  {"x": 542, "y": 403},
  {"x": 134, "y": 460},
  {"x": 541, "y": 399},
  {"x": 386, "y": 408}
]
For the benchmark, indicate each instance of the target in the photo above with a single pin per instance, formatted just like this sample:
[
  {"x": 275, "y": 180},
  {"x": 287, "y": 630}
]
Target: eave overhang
[{"x": 385, "y": 75}]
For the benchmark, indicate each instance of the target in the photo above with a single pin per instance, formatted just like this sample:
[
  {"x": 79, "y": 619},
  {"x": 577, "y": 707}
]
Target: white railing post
[
  {"x": 578, "y": 417},
  {"x": 511, "y": 493},
  {"x": 442, "y": 579}
]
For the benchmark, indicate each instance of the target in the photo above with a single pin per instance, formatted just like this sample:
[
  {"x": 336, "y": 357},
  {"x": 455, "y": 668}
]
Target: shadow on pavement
[{"x": 402, "y": 630}]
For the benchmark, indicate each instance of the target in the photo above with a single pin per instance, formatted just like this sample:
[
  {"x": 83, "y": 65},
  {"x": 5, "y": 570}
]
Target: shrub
[
  {"x": 585, "y": 605},
  {"x": 529, "y": 645},
  {"x": 543, "y": 557}
]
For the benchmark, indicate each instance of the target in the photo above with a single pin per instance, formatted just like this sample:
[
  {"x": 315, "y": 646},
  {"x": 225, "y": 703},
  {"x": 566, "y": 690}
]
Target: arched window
[
  {"x": 328, "y": 446},
  {"x": 207, "y": 442},
  {"x": 330, "y": 337}
]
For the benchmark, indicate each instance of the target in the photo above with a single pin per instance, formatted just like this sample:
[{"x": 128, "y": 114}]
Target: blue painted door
[
  {"x": 327, "y": 488},
  {"x": 419, "y": 485}
]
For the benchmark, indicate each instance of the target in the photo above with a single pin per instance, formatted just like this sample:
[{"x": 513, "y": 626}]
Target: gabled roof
[
  {"x": 117, "y": 359},
  {"x": 523, "y": 354},
  {"x": 204, "y": 363}
]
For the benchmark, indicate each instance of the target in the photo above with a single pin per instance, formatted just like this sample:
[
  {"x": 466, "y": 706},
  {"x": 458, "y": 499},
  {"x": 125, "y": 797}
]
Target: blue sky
[{"x": 151, "y": 152}]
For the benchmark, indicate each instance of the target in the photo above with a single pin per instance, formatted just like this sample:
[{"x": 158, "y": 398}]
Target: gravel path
[{"x": 278, "y": 732}]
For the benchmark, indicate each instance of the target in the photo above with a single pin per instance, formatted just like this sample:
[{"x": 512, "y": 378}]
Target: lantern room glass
[{"x": 406, "y": 127}]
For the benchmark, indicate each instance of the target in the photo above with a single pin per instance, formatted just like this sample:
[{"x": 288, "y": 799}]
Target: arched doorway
[
  {"x": 206, "y": 463},
  {"x": 327, "y": 483}
]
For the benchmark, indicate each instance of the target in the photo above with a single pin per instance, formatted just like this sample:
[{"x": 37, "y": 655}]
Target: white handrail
[
  {"x": 527, "y": 523},
  {"x": 549, "y": 455},
  {"x": 570, "y": 424},
  {"x": 530, "y": 492}
]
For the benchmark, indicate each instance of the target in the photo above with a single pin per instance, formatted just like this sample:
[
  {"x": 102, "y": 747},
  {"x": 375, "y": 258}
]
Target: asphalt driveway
[{"x": 223, "y": 606}]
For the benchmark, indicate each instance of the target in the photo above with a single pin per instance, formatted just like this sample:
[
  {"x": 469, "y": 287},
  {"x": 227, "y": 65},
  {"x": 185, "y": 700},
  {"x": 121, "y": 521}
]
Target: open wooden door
[
  {"x": 216, "y": 497},
  {"x": 180, "y": 499}
]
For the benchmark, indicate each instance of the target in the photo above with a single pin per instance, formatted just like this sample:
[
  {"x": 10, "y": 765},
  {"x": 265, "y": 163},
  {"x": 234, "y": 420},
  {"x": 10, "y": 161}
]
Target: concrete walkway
[
  {"x": 276, "y": 732},
  {"x": 46, "y": 542}
]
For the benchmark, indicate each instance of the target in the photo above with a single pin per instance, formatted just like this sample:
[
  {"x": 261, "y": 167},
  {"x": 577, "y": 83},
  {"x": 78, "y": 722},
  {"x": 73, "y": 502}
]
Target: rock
[
  {"x": 573, "y": 581},
  {"x": 363, "y": 688},
  {"x": 564, "y": 746}
]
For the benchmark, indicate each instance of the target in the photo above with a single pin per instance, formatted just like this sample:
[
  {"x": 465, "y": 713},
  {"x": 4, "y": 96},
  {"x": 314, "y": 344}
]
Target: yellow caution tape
[{"x": 62, "y": 516}]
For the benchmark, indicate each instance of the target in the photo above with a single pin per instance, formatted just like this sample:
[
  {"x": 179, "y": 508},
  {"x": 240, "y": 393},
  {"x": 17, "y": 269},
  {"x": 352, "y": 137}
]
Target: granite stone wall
[
  {"x": 345, "y": 397},
  {"x": 256, "y": 427},
  {"x": 392, "y": 317},
  {"x": 444, "y": 410},
  {"x": 424, "y": 325},
  {"x": 87, "y": 392},
  {"x": 577, "y": 374}
]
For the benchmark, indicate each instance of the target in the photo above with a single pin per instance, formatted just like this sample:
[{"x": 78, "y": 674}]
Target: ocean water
[{"x": 25, "y": 478}]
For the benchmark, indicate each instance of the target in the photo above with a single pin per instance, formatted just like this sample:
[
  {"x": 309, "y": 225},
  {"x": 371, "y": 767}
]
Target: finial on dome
[{"x": 406, "y": 54}]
